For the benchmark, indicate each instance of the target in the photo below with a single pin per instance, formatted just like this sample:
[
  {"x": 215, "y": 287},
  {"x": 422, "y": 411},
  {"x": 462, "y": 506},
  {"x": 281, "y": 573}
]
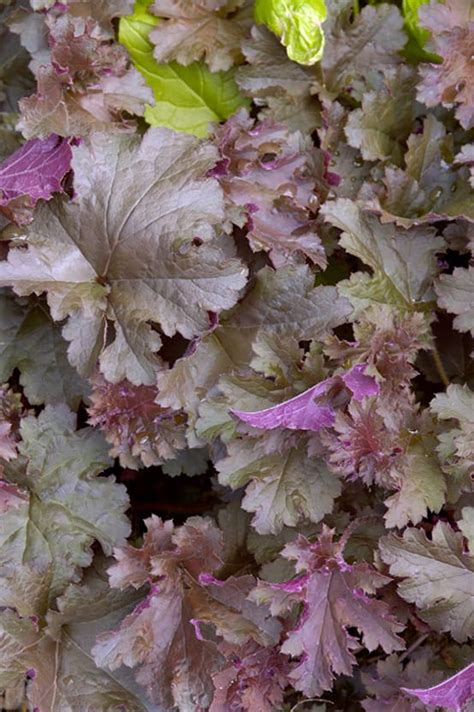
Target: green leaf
[
  {"x": 56, "y": 506},
  {"x": 187, "y": 98},
  {"x": 403, "y": 262},
  {"x": 422, "y": 486},
  {"x": 298, "y": 24},
  {"x": 417, "y": 35},
  {"x": 31, "y": 342},
  {"x": 438, "y": 576},
  {"x": 466, "y": 525},
  {"x": 65, "y": 676},
  {"x": 284, "y": 487}
]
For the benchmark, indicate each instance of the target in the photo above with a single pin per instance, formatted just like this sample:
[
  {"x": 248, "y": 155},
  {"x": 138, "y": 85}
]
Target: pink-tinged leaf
[
  {"x": 11, "y": 497},
  {"x": 165, "y": 637},
  {"x": 33, "y": 173},
  {"x": 253, "y": 678},
  {"x": 360, "y": 384},
  {"x": 315, "y": 408},
  {"x": 451, "y": 694},
  {"x": 336, "y": 597},
  {"x": 273, "y": 180},
  {"x": 139, "y": 430},
  {"x": 7, "y": 443}
]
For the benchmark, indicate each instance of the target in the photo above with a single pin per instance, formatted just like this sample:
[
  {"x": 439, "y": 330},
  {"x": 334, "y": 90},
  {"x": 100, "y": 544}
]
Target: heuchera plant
[{"x": 236, "y": 375}]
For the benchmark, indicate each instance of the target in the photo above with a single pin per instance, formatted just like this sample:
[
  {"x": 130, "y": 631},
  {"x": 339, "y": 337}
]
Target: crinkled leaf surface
[
  {"x": 57, "y": 656},
  {"x": 455, "y": 446},
  {"x": 438, "y": 576},
  {"x": 199, "y": 30},
  {"x": 157, "y": 637},
  {"x": 281, "y": 302},
  {"x": 139, "y": 430},
  {"x": 279, "y": 306},
  {"x": 61, "y": 505},
  {"x": 429, "y": 187},
  {"x": 124, "y": 251},
  {"x": 451, "y": 81},
  {"x": 355, "y": 50},
  {"x": 380, "y": 126},
  {"x": 334, "y": 596},
  {"x": 273, "y": 80},
  {"x": 253, "y": 678},
  {"x": 422, "y": 485},
  {"x": 298, "y": 23},
  {"x": 286, "y": 487},
  {"x": 403, "y": 262}
]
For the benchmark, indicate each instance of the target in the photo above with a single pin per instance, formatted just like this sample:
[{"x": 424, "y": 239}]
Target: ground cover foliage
[{"x": 236, "y": 321}]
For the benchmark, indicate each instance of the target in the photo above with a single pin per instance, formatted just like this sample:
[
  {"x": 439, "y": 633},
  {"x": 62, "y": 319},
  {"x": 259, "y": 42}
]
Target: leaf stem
[
  {"x": 310, "y": 699},
  {"x": 414, "y": 646},
  {"x": 439, "y": 365}
]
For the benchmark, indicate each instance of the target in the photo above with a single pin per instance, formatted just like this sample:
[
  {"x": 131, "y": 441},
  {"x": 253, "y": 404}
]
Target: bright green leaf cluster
[
  {"x": 187, "y": 98},
  {"x": 418, "y": 35},
  {"x": 298, "y": 24}
]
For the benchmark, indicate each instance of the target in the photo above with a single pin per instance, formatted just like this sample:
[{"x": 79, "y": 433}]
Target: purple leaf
[
  {"x": 450, "y": 694},
  {"x": 308, "y": 411},
  {"x": 32, "y": 173}
]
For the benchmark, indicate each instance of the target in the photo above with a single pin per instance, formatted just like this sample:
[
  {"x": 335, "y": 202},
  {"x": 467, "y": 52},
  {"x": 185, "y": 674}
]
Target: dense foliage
[{"x": 236, "y": 320}]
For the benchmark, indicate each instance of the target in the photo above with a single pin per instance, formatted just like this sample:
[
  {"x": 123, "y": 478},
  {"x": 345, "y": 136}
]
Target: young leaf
[
  {"x": 139, "y": 430},
  {"x": 253, "y": 678},
  {"x": 33, "y": 173},
  {"x": 275, "y": 179},
  {"x": 456, "y": 448},
  {"x": 84, "y": 81},
  {"x": 298, "y": 24},
  {"x": 451, "y": 25},
  {"x": 186, "y": 98}
]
